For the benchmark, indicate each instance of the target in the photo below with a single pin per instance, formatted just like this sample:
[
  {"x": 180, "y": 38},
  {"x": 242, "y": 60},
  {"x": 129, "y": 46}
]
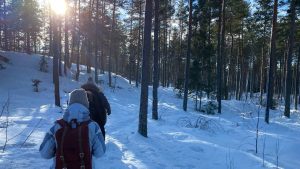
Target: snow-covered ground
[{"x": 220, "y": 142}]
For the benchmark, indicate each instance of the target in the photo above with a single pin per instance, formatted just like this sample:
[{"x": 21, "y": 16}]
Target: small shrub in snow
[
  {"x": 43, "y": 64},
  {"x": 209, "y": 107},
  {"x": 201, "y": 123},
  {"x": 179, "y": 93},
  {"x": 35, "y": 84},
  {"x": 274, "y": 103}
]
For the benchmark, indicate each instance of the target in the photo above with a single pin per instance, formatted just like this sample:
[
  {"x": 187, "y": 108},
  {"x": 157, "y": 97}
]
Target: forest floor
[{"x": 178, "y": 140}]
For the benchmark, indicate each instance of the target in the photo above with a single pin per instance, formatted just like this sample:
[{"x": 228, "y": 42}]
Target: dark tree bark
[
  {"x": 78, "y": 43},
  {"x": 89, "y": 37},
  {"x": 131, "y": 62},
  {"x": 59, "y": 47},
  {"x": 66, "y": 59},
  {"x": 28, "y": 47},
  {"x": 262, "y": 65},
  {"x": 155, "y": 62},
  {"x": 272, "y": 63},
  {"x": 145, "y": 70},
  {"x": 221, "y": 54},
  {"x": 96, "y": 41},
  {"x": 297, "y": 81},
  {"x": 187, "y": 64},
  {"x": 288, "y": 81},
  {"x": 137, "y": 76},
  {"x": 242, "y": 64},
  {"x": 111, "y": 42},
  {"x": 5, "y": 31},
  {"x": 102, "y": 43},
  {"x": 55, "y": 61}
]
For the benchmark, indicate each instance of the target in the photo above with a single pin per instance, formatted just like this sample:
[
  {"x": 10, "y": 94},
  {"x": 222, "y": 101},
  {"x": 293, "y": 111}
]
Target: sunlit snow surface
[{"x": 227, "y": 142}]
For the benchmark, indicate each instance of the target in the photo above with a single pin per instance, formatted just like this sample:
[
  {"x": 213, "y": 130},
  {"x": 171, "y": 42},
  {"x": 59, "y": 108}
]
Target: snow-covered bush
[
  {"x": 43, "y": 64},
  {"x": 209, "y": 107}
]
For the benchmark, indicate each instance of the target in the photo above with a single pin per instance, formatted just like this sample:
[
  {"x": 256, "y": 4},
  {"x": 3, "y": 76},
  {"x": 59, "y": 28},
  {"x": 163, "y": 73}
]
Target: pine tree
[
  {"x": 221, "y": 46},
  {"x": 288, "y": 81},
  {"x": 145, "y": 70},
  {"x": 272, "y": 63},
  {"x": 30, "y": 21},
  {"x": 55, "y": 60},
  {"x": 187, "y": 64},
  {"x": 155, "y": 61}
]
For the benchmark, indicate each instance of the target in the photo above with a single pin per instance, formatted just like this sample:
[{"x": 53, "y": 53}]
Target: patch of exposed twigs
[
  {"x": 5, "y": 108},
  {"x": 201, "y": 123}
]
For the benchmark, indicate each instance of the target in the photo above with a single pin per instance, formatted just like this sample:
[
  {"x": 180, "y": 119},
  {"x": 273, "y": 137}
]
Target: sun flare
[{"x": 58, "y": 6}]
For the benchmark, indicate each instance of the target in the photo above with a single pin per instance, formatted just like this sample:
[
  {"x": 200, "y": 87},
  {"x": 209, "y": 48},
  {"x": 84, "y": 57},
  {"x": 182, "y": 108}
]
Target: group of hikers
[{"x": 80, "y": 134}]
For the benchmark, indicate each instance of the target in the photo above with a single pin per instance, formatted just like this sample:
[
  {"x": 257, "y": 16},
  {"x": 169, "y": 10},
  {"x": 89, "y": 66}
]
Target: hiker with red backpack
[
  {"x": 98, "y": 104},
  {"x": 75, "y": 138}
]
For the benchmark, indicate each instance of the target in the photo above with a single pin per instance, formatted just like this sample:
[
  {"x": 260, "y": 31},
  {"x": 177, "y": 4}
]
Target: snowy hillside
[{"x": 225, "y": 141}]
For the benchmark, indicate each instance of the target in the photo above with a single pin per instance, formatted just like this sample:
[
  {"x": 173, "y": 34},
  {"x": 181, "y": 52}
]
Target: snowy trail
[{"x": 229, "y": 143}]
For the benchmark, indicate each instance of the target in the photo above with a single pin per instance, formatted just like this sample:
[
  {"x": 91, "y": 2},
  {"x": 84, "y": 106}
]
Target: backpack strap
[
  {"x": 64, "y": 125},
  {"x": 81, "y": 153}
]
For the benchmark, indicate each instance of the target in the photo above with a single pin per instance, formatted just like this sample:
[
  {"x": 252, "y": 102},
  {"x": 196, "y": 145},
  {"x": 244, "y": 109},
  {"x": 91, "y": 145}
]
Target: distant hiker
[
  {"x": 75, "y": 138},
  {"x": 98, "y": 104}
]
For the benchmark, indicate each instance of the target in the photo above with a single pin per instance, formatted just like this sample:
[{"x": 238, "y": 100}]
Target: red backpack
[{"x": 73, "y": 150}]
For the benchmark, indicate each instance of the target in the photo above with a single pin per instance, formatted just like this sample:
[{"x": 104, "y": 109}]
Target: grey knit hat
[{"x": 79, "y": 96}]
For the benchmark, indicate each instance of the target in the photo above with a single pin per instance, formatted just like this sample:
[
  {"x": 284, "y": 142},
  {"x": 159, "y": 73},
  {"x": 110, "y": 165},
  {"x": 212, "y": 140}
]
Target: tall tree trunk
[
  {"x": 243, "y": 66},
  {"x": 263, "y": 62},
  {"x": 66, "y": 59},
  {"x": 284, "y": 71},
  {"x": 55, "y": 62},
  {"x": 111, "y": 42},
  {"x": 231, "y": 58},
  {"x": 131, "y": 48},
  {"x": 179, "y": 73},
  {"x": 28, "y": 50},
  {"x": 78, "y": 43},
  {"x": 252, "y": 71},
  {"x": 297, "y": 81},
  {"x": 137, "y": 76},
  {"x": 155, "y": 62},
  {"x": 187, "y": 64},
  {"x": 272, "y": 63},
  {"x": 221, "y": 56},
  {"x": 102, "y": 43},
  {"x": 96, "y": 41},
  {"x": 34, "y": 42},
  {"x": 5, "y": 26},
  {"x": 89, "y": 37},
  {"x": 145, "y": 70},
  {"x": 289, "y": 59},
  {"x": 59, "y": 47}
]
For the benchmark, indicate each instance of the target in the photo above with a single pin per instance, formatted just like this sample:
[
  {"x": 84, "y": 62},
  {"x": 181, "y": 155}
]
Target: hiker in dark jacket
[
  {"x": 63, "y": 141},
  {"x": 99, "y": 106}
]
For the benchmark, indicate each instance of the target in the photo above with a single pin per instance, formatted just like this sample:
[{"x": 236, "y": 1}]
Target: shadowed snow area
[{"x": 223, "y": 141}]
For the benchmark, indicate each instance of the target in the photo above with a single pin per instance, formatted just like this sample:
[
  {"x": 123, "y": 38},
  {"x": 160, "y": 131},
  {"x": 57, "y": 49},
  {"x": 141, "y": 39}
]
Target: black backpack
[{"x": 96, "y": 108}]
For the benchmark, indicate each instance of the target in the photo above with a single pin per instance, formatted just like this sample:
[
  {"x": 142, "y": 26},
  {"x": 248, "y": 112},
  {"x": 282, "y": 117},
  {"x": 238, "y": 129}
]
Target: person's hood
[{"x": 76, "y": 111}]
